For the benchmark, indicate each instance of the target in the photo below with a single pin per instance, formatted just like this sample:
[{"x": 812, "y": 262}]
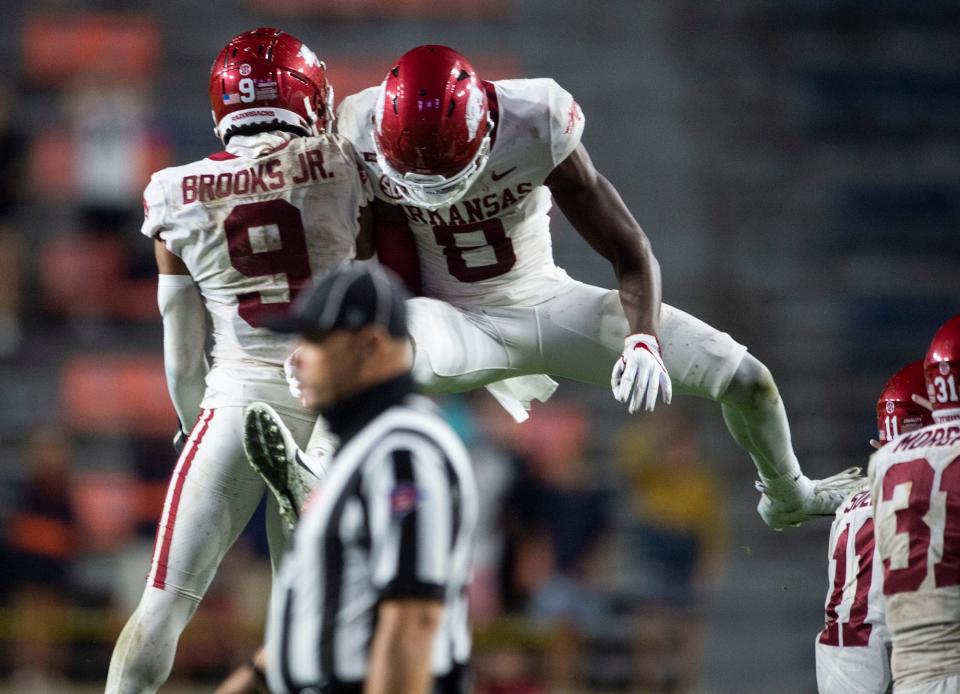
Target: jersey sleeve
[
  {"x": 154, "y": 208},
  {"x": 566, "y": 122},
  {"x": 411, "y": 521}
]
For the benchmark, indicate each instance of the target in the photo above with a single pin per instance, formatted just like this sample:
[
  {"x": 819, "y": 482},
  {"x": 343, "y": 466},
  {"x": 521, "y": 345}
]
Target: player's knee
[{"x": 752, "y": 385}]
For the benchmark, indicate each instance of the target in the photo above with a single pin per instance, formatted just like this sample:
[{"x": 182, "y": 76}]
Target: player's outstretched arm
[
  {"x": 599, "y": 215},
  {"x": 184, "y": 334}
]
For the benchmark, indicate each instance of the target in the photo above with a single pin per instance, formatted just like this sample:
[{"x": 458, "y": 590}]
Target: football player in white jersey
[
  {"x": 915, "y": 484},
  {"x": 237, "y": 236},
  {"x": 472, "y": 167},
  {"x": 853, "y": 650}
]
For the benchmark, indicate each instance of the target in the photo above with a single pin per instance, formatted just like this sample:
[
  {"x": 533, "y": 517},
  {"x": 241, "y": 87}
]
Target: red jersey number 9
[{"x": 266, "y": 239}]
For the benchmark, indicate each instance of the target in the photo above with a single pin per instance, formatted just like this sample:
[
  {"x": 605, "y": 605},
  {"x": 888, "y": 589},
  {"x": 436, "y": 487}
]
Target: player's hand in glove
[
  {"x": 639, "y": 374},
  {"x": 293, "y": 383}
]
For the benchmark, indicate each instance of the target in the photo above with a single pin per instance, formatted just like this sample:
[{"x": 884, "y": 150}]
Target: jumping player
[
  {"x": 237, "y": 236},
  {"x": 915, "y": 484},
  {"x": 470, "y": 168},
  {"x": 853, "y": 650}
]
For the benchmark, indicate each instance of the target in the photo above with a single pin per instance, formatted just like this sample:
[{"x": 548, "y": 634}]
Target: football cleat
[
  {"x": 274, "y": 454},
  {"x": 791, "y": 502}
]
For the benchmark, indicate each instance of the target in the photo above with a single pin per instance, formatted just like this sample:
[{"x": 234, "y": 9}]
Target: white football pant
[
  {"x": 212, "y": 495},
  {"x": 577, "y": 334},
  {"x": 854, "y": 670}
]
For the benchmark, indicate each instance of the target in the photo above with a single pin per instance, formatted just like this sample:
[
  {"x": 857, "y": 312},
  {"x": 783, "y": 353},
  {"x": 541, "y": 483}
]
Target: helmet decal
[
  {"x": 381, "y": 104},
  {"x": 475, "y": 110},
  {"x": 309, "y": 56}
]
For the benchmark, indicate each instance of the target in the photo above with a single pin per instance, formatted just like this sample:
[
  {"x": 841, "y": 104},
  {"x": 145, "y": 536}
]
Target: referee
[{"x": 372, "y": 597}]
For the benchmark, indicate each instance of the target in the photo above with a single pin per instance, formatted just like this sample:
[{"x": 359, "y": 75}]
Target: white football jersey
[
  {"x": 915, "y": 483},
  {"x": 255, "y": 225},
  {"x": 492, "y": 247},
  {"x": 852, "y": 650}
]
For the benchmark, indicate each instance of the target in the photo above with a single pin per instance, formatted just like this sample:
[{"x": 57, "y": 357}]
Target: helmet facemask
[{"x": 433, "y": 191}]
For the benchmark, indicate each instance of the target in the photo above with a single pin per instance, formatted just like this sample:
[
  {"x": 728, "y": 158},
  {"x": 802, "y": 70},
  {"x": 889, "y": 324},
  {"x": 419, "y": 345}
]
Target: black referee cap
[{"x": 348, "y": 299}]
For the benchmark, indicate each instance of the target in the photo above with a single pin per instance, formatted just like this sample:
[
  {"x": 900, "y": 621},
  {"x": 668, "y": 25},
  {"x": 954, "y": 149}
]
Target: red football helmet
[
  {"x": 941, "y": 371},
  {"x": 897, "y": 413},
  {"x": 433, "y": 126},
  {"x": 268, "y": 77}
]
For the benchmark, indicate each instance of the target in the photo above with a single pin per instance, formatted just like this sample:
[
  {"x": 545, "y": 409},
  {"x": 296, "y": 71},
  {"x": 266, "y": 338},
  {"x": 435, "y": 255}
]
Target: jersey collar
[{"x": 348, "y": 416}]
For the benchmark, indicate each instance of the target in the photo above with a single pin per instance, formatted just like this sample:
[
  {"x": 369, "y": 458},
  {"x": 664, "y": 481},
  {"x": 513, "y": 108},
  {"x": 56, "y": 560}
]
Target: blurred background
[{"x": 796, "y": 164}]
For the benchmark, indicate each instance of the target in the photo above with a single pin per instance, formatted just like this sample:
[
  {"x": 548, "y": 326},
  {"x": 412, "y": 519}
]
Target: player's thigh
[
  {"x": 454, "y": 350},
  {"x": 212, "y": 494},
  {"x": 583, "y": 329},
  {"x": 860, "y": 670}
]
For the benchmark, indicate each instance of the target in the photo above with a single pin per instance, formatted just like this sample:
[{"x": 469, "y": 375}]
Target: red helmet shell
[
  {"x": 267, "y": 76},
  {"x": 941, "y": 370},
  {"x": 434, "y": 112},
  {"x": 897, "y": 413}
]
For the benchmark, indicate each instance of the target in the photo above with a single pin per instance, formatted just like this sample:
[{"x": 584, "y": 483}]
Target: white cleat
[
  {"x": 791, "y": 502},
  {"x": 274, "y": 454}
]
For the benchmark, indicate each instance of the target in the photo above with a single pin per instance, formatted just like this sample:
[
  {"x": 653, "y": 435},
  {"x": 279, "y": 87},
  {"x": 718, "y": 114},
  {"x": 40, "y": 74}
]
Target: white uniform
[
  {"x": 915, "y": 482},
  {"x": 507, "y": 309},
  {"x": 254, "y": 225},
  {"x": 853, "y": 648}
]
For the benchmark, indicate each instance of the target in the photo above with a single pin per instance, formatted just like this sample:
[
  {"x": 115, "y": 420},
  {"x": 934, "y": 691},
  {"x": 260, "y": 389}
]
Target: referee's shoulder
[{"x": 419, "y": 418}]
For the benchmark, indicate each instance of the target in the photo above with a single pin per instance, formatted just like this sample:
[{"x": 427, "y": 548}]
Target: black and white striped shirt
[{"x": 394, "y": 518}]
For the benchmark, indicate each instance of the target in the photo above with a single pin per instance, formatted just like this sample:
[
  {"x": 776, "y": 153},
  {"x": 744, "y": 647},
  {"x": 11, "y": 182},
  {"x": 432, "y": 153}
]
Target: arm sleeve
[
  {"x": 566, "y": 122},
  {"x": 412, "y": 516},
  {"x": 184, "y": 334}
]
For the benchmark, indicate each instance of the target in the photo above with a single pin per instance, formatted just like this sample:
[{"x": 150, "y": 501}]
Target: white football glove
[
  {"x": 639, "y": 374},
  {"x": 293, "y": 383}
]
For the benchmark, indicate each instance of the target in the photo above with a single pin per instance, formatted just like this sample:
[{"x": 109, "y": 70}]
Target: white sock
[{"x": 757, "y": 420}]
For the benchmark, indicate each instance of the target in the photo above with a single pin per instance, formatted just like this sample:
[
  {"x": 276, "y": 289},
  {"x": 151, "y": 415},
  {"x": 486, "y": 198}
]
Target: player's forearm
[
  {"x": 184, "y": 334},
  {"x": 400, "y": 654},
  {"x": 602, "y": 218}
]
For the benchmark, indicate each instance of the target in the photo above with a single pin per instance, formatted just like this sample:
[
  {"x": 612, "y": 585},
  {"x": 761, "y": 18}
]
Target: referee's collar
[{"x": 351, "y": 414}]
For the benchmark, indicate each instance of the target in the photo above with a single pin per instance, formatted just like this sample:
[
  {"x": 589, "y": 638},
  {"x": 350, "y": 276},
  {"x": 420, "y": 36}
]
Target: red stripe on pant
[{"x": 160, "y": 577}]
